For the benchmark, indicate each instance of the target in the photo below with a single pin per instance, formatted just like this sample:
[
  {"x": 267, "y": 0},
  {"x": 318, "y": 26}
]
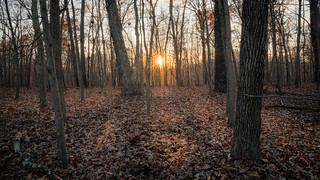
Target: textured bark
[
  {"x": 220, "y": 78},
  {"x": 246, "y": 139},
  {"x": 129, "y": 86},
  {"x": 40, "y": 55},
  {"x": 61, "y": 144},
  {"x": 315, "y": 36}
]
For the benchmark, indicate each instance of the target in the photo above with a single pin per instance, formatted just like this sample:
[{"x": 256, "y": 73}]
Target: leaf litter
[{"x": 186, "y": 137}]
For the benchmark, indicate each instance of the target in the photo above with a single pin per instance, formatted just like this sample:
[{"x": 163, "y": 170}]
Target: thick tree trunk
[
  {"x": 129, "y": 86},
  {"x": 40, "y": 54},
  {"x": 315, "y": 36},
  {"x": 246, "y": 139},
  {"x": 220, "y": 78},
  {"x": 61, "y": 144}
]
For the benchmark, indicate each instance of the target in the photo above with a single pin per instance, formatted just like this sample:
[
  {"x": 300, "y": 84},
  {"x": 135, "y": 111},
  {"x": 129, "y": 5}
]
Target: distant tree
[
  {"x": 274, "y": 45},
  {"x": 175, "y": 46},
  {"x": 297, "y": 62},
  {"x": 82, "y": 62},
  {"x": 75, "y": 61},
  {"x": 129, "y": 87},
  {"x": 246, "y": 138},
  {"x": 16, "y": 53},
  {"x": 139, "y": 76},
  {"x": 40, "y": 54}
]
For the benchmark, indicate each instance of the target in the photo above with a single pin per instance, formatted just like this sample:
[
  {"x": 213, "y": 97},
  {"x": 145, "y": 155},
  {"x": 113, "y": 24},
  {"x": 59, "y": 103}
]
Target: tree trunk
[
  {"x": 139, "y": 78},
  {"x": 40, "y": 54},
  {"x": 227, "y": 49},
  {"x": 61, "y": 144},
  {"x": 56, "y": 51},
  {"x": 83, "y": 65},
  {"x": 210, "y": 83},
  {"x": 175, "y": 47},
  {"x": 129, "y": 86},
  {"x": 274, "y": 47},
  {"x": 246, "y": 139},
  {"x": 73, "y": 53},
  {"x": 220, "y": 78},
  {"x": 297, "y": 63},
  {"x": 16, "y": 58},
  {"x": 315, "y": 39}
]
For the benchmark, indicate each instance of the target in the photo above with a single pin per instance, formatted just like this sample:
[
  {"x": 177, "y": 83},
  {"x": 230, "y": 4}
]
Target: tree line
[{"x": 227, "y": 45}]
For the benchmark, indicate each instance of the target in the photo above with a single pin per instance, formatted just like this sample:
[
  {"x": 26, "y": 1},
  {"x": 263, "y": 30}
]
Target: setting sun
[{"x": 160, "y": 61}]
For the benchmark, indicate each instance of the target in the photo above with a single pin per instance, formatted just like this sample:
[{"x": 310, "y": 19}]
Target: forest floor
[{"x": 186, "y": 137}]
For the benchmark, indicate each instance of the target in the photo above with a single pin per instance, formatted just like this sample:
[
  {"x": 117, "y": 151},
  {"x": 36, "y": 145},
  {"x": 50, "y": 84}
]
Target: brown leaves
[{"x": 187, "y": 136}]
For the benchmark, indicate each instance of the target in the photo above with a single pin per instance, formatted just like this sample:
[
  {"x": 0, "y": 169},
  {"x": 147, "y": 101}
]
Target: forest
[{"x": 159, "y": 89}]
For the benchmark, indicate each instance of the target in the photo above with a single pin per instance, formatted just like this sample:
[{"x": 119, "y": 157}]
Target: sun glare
[{"x": 160, "y": 61}]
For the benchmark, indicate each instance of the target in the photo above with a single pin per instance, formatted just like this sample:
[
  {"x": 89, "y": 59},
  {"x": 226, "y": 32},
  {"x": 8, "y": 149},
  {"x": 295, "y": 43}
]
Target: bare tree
[
  {"x": 16, "y": 53},
  {"x": 83, "y": 67},
  {"x": 58, "y": 108},
  {"x": 129, "y": 87},
  {"x": 225, "y": 31},
  {"x": 297, "y": 62},
  {"x": 40, "y": 54}
]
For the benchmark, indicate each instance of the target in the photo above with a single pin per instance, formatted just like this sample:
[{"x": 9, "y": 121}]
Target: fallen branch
[
  {"x": 285, "y": 97},
  {"x": 294, "y": 107},
  {"x": 26, "y": 160}
]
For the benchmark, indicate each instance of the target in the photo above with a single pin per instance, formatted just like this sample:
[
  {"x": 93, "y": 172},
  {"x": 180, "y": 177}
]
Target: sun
[{"x": 159, "y": 61}]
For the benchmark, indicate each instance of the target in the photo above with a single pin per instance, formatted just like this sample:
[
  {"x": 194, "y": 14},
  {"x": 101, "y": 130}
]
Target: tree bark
[
  {"x": 40, "y": 54},
  {"x": 129, "y": 86},
  {"x": 246, "y": 139},
  {"x": 61, "y": 144},
  {"x": 220, "y": 78}
]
